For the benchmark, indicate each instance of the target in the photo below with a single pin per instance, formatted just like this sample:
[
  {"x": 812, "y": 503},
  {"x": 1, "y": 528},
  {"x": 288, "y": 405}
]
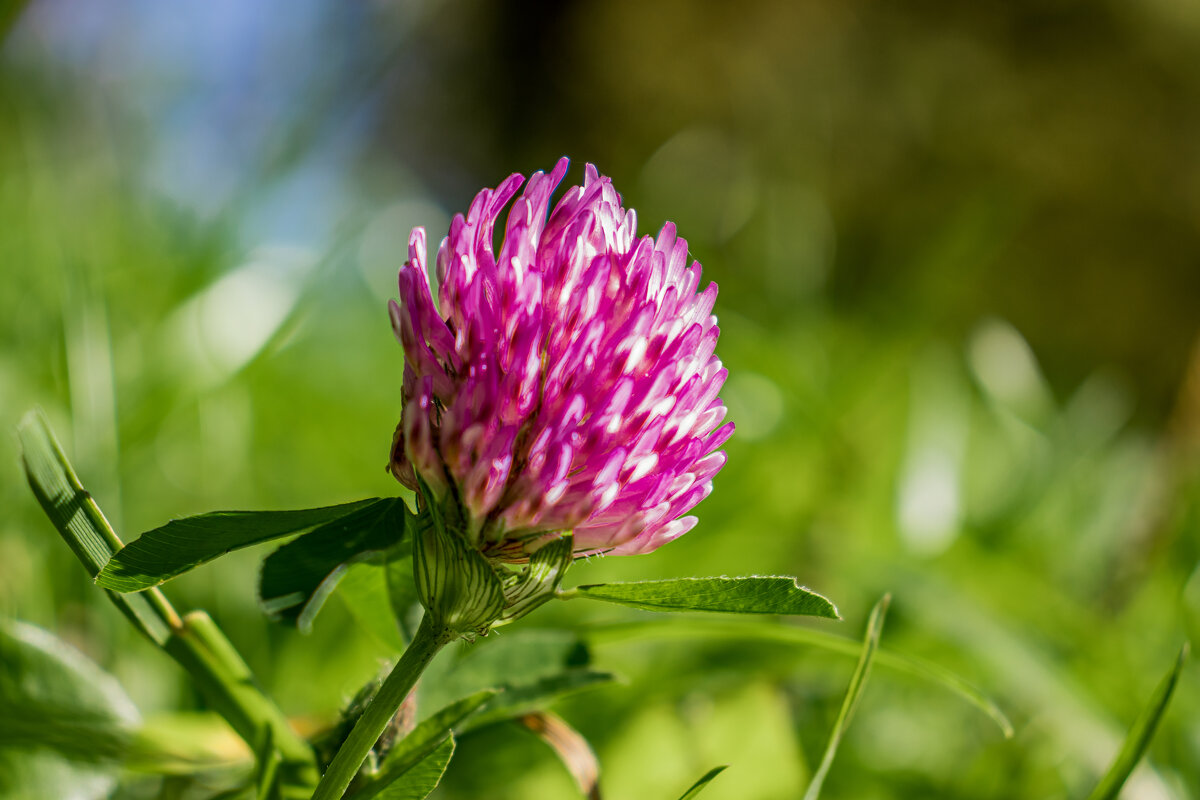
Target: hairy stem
[{"x": 429, "y": 639}]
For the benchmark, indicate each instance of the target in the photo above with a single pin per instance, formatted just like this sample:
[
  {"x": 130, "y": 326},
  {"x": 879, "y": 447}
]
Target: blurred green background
[{"x": 958, "y": 248}]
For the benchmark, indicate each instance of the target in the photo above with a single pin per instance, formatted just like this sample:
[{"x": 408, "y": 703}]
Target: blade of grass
[
  {"x": 82, "y": 525},
  {"x": 858, "y": 682},
  {"x": 1140, "y": 734},
  {"x": 699, "y": 785}
]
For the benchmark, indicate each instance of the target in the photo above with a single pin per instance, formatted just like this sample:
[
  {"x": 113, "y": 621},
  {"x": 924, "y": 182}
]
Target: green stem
[
  {"x": 195, "y": 642},
  {"x": 225, "y": 680},
  {"x": 430, "y": 638}
]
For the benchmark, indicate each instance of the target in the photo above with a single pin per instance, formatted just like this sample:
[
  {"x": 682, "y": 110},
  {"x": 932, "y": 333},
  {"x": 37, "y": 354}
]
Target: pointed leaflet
[
  {"x": 752, "y": 595},
  {"x": 519, "y": 657},
  {"x": 858, "y": 682},
  {"x": 423, "y": 778},
  {"x": 429, "y": 735},
  {"x": 298, "y": 577},
  {"x": 1139, "y": 736},
  {"x": 184, "y": 544},
  {"x": 532, "y": 668},
  {"x": 700, "y": 784}
]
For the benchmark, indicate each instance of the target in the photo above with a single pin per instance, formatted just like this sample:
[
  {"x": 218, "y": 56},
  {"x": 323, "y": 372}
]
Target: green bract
[{"x": 468, "y": 593}]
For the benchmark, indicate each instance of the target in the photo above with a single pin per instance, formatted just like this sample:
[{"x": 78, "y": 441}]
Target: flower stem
[
  {"x": 430, "y": 638},
  {"x": 225, "y": 680}
]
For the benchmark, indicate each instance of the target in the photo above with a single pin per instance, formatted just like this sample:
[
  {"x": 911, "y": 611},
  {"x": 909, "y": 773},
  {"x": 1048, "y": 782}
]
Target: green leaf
[
  {"x": 1139, "y": 736},
  {"x": 430, "y": 734},
  {"x": 80, "y": 522},
  {"x": 298, "y": 577},
  {"x": 421, "y": 779},
  {"x": 532, "y": 669},
  {"x": 66, "y": 726},
  {"x": 364, "y": 591},
  {"x": 369, "y": 588},
  {"x": 753, "y": 595},
  {"x": 519, "y": 657},
  {"x": 184, "y": 544},
  {"x": 699, "y": 785},
  {"x": 858, "y": 682}
]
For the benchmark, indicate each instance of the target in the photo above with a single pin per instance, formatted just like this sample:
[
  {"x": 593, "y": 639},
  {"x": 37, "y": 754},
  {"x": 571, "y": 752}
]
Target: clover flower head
[{"x": 567, "y": 382}]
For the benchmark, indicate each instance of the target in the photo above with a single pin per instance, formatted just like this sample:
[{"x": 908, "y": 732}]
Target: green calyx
[{"x": 467, "y": 593}]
